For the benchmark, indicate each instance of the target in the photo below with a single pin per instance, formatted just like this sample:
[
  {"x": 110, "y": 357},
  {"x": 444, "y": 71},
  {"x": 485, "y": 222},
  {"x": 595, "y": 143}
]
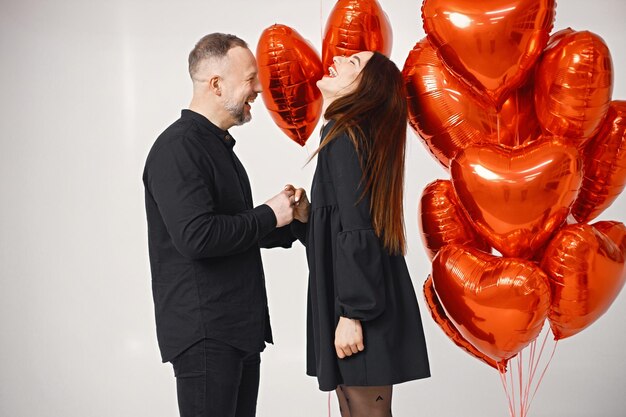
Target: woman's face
[{"x": 342, "y": 77}]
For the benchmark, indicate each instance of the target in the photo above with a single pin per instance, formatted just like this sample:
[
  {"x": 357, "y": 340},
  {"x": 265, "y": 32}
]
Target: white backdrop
[{"x": 86, "y": 88}]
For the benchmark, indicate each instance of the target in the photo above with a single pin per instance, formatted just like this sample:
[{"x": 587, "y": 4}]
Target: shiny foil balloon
[
  {"x": 516, "y": 198},
  {"x": 439, "y": 315},
  {"x": 605, "y": 166},
  {"x": 497, "y": 304},
  {"x": 448, "y": 116},
  {"x": 615, "y": 231},
  {"x": 587, "y": 270},
  {"x": 442, "y": 220},
  {"x": 490, "y": 45},
  {"x": 289, "y": 67},
  {"x": 573, "y": 85},
  {"x": 354, "y": 26}
]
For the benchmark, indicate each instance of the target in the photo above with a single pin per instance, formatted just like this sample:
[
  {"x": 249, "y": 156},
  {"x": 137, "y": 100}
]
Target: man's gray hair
[{"x": 213, "y": 45}]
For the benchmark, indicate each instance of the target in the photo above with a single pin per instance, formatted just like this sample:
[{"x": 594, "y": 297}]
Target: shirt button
[{"x": 228, "y": 138}]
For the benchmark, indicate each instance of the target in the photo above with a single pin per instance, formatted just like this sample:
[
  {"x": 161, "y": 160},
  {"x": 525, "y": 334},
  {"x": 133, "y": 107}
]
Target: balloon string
[
  {"x": 524, "y": 387},
  {"x": 526, "y": 376},
  {"x": 520, "y": 371},
  {"x": 512, "y": 389},
  {"x": 531, "y": 370},
  {"x": 533, "y": 365},
  {"x": 502, "y": 372},
  {"x": 543, "y": 373},
  {"x": 328, "y": 403},
  {"x": 321, "y": 23}
]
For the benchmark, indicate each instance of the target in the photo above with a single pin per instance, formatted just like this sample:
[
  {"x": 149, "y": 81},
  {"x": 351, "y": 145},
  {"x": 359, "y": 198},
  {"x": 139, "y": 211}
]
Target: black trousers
[{"x": 214, "y": 379}]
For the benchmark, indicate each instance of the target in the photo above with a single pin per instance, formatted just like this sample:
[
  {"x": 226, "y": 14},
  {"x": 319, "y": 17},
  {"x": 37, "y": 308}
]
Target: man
[{"x": 205, "y": 236}]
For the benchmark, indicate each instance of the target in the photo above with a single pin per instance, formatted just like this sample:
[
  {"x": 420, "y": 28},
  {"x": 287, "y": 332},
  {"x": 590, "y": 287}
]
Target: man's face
[{"x": 240, "y": 84}]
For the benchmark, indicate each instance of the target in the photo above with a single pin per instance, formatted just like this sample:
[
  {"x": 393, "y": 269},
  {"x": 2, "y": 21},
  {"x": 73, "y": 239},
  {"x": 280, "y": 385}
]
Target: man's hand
[
  {"x": 348, "y": 337},
  {"x": 302, "y": 205},
  {"x": 282, "y": 204}
]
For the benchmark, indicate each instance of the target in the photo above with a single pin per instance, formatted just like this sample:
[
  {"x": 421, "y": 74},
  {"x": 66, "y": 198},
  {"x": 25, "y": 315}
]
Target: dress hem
[{"x": 394, "y": 382}]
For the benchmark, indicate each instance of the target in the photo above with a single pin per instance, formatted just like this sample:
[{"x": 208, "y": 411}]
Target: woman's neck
[{"x": 326, "y": 101}]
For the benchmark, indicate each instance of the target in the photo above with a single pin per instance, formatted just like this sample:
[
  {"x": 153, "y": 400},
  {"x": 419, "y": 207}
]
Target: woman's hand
[
  {"x": 348, "y": 337},
  {"x": 301, "y": 204}
]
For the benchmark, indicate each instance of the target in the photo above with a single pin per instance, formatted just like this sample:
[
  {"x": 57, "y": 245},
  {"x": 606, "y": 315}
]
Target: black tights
[{"x": 364, "y": 401}]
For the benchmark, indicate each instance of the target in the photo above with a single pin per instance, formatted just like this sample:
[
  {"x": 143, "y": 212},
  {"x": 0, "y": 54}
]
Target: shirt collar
[{"x": 206, "y": 126}]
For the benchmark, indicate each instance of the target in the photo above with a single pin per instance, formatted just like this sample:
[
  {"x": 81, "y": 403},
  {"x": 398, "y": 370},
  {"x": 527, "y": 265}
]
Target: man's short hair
[{"x": 213, "y": 45}]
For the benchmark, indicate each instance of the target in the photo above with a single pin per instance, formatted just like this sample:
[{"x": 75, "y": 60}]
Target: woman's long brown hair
[{"x": 374, "y": 116}]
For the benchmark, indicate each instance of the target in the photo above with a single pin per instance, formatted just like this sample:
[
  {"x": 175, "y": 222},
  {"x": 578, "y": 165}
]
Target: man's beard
[{"x": 238, "y": 112}]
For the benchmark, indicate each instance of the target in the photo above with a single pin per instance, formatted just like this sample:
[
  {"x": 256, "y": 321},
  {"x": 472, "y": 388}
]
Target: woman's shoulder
[
  {"x": 341, "y": 145},
  {"x": 344, "y": 144}
]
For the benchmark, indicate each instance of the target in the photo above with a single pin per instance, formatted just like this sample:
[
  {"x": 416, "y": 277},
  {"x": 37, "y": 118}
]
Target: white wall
[{"x": 85, "y": 89}]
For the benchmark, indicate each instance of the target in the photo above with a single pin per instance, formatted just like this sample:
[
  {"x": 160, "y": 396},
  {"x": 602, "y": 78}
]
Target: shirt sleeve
[
  {"x": 359, "y": 272},
  {"x": 182, "y": 190},
  {"x": 282, "y": 237}
]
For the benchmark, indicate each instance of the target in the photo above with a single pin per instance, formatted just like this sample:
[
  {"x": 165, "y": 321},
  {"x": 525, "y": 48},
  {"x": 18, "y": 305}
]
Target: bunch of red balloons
[{"x": 524, "y": 123}]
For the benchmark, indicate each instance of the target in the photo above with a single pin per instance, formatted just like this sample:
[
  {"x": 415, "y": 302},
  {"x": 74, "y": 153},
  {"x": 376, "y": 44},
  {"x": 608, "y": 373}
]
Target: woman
[{"x": 364, "y": 328}]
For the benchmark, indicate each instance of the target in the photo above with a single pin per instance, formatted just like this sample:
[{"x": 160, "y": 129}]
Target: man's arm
[{"x": 183, "y": 192}]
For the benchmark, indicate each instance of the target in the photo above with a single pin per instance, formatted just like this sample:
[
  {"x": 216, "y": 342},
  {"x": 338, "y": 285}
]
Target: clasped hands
[{"x": 291, "y": 203}]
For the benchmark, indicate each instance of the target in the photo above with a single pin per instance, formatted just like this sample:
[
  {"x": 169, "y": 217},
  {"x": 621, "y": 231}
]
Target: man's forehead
[
  {"x": 241, "y": 59},
  {"x": 241, "y": 55}
]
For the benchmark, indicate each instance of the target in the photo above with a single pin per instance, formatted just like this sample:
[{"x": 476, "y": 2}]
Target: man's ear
[{"x": 215, "y": 85}]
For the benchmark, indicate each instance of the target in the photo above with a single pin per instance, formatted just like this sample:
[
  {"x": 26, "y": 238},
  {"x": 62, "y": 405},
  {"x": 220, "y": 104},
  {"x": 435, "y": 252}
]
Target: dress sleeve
[
  {"x": 182, "y": 190},
  {"x": 359, "y": 276},
  {"x": 300, "y": 231}
]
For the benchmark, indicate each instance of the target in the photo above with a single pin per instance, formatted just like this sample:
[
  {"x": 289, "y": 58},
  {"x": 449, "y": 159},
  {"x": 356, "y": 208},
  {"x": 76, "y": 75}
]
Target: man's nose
[{"x": 258, "y": 87}]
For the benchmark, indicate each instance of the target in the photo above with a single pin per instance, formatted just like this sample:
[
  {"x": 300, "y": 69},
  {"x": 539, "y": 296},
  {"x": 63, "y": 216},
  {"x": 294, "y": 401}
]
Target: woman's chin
[{"x": 323, "y": 87}]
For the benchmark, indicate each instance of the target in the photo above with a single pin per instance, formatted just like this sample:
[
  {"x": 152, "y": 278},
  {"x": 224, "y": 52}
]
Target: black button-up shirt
[{"x": 204, "y": 237}]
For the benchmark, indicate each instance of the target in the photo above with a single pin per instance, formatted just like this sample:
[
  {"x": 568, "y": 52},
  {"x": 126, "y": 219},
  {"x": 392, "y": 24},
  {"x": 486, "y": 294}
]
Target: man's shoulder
[
  {"x": 181, "y": 129},
  {"x": 180, "y": 134}
]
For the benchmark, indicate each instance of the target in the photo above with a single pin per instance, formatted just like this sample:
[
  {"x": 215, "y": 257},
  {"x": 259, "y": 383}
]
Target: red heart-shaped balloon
[
  {"x": 491, "y": 45},
  {"x": 573, "y": 85},
  {"x": 355, "y": 26},
  {"x": 289, "y": 67},
  {"x": 587, "y": 269},
  {"x": 448, "y": 116},
  {"x": 516, "y": 198},
  {"x": 442, "y": 220},
  {"x": 604, "y": 166},
  {"x": 497, "y": 304},
  {"x": 439, "y": 315}
]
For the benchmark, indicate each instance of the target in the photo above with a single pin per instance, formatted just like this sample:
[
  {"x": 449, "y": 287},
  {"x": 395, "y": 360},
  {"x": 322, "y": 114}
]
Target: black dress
[{"x": 352, "y": 275}]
